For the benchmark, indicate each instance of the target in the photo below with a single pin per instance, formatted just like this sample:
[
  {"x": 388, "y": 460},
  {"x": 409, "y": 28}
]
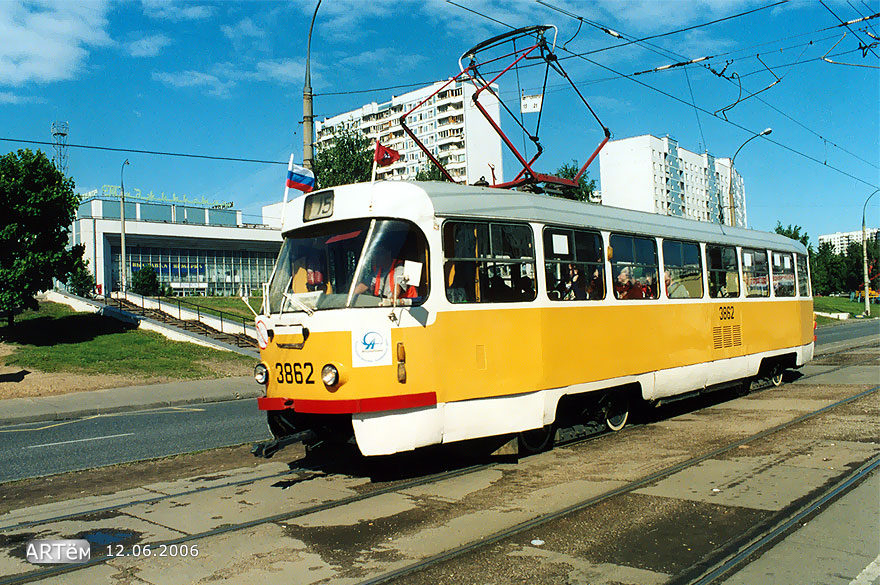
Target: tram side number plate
[
  {"x": 294, "y": 373},
  {"x": 725, "y": 312}
]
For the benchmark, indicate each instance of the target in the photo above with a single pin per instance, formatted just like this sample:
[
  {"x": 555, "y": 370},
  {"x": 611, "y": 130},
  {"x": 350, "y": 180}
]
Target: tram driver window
[
  {"x": 723, "y": 271},
  {"x": 756, "y": 273},
  {"x": 574, "y": 265},
  {"x": 783, "y": 275},
  {"x": 488, "y": 262},
  {"x": 683, "y": 273},
  {"x": 634, "y": 267}
]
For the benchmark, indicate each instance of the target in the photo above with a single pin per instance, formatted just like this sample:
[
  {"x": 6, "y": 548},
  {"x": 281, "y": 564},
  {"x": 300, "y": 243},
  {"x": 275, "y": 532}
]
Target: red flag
[{"x": 385, "y": 156}]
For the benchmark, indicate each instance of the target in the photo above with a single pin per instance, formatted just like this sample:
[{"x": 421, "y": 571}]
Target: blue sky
[{"x": 225, "y": 79}]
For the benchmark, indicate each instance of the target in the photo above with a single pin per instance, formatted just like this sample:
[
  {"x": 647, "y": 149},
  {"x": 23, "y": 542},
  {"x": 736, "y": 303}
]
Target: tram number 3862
[
  {"x": 725, "y": 312},
  {"x": 294, "y": 373}
]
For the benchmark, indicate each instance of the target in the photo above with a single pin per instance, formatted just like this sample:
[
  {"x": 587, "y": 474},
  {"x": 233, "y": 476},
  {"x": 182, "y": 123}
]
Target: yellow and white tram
[{"x": 408, "y": 314}]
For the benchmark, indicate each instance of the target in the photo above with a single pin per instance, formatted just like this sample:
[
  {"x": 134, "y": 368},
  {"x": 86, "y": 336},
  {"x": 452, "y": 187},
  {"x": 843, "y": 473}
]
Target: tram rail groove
[
  {"x": 35, "y": 575},
  {"x": 749, "y": 545},
  {"x": 624, "y": 489},
  {"x": 62, "y": 569}
]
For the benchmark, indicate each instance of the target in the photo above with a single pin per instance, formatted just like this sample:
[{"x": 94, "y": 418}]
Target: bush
[
  {"x": 145, "y": 282},
  {"x": 81, "y": 282}
]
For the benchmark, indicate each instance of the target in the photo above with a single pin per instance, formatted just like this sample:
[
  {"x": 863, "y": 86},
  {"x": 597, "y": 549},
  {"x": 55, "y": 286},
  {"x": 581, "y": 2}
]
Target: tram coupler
[{"x": 268, "y": 448}]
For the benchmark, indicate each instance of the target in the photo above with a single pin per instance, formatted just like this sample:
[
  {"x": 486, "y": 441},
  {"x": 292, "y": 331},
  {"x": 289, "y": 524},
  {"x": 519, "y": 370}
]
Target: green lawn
[
  {"x": 57, "y": 339},
  {"x": 842, "y": 305}
]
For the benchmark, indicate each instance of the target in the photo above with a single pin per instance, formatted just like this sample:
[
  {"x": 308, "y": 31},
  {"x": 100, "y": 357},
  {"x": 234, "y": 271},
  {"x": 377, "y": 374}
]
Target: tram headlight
[
  {"x": 261, "y": 374},
  {"x": 330, "y": 375}
]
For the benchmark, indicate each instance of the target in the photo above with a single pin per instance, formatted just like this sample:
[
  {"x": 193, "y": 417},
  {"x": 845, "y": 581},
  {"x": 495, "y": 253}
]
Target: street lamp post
[
  {"x": 308, "y": 117},
  {"x": 122, "y": 223},
  {"x": 732, "y": 218},
  {"x": 865, "y": 255}
]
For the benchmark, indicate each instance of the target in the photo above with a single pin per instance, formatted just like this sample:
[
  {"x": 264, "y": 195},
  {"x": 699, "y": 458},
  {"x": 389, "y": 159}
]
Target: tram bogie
[{"x": 416, "y": 314}]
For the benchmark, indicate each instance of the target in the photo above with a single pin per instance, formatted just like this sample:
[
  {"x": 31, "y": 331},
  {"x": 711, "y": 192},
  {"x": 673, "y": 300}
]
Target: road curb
[{"x": 53, "y": 415}]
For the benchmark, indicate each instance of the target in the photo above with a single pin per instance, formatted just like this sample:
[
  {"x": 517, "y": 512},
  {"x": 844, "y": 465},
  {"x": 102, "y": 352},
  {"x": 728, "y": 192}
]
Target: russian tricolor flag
[{"x": 300, "y": 178}]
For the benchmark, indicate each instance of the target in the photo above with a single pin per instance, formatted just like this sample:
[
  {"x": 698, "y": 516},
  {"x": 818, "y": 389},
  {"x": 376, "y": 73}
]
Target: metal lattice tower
[{"x": 59, "y": 140}]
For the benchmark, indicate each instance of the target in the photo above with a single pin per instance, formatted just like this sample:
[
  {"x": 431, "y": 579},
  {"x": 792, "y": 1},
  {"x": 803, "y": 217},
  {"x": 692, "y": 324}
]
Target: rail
[{"x": 222, "y": 321}]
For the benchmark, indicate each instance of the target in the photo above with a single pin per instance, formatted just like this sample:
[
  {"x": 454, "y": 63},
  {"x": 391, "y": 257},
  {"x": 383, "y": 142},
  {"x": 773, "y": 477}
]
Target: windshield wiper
[{"x": 302, "y": 306}]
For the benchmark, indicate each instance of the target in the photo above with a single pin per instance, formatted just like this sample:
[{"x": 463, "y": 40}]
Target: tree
[
  {"x": 81, "y": 282},
  {"x": 793, "y": 232},
  {"x": 586, "y": 186},
  {"x": 429, "y": 173},
  {"x": 145, "y": 282},
  {"x": 39, "y": 206},
  {"x": 349, "y": 159}
]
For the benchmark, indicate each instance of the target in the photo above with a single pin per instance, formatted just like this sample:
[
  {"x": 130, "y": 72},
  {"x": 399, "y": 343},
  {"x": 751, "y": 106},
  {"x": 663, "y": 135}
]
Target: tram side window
[
  {"x": 574, "y": 265},
  {"x": 488, "y": 262},
  {"x": 634, "y": 267},
  {"x": 683, "y": 270},
  {"x": 756, "y": 273},
  {"x": 783, "y": 275},
  {"x": 723, "y": 271},
  {"x": 803, "y": 277}
]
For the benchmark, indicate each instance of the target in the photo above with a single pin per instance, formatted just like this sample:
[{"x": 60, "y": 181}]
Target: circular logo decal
[{"x": 372, "y": 347}]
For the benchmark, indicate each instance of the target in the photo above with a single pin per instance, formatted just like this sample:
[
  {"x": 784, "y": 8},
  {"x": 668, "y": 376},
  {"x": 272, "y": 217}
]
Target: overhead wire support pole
[{"x": 308, "y": 115}]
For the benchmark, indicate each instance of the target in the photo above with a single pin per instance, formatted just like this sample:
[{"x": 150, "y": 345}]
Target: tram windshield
[{"x": 353, "y": 263}]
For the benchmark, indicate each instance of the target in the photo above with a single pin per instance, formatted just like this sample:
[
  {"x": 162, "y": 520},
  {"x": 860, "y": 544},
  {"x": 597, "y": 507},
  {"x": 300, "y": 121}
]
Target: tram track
[
  {"x": 523, "y": 527},
  {"x": 425, "y": 480},
  {"x": 738, "y": 553}
]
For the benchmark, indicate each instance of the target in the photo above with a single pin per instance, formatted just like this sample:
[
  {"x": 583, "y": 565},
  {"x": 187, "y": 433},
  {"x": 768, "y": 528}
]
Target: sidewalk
[{"x": 80, "y": 404}]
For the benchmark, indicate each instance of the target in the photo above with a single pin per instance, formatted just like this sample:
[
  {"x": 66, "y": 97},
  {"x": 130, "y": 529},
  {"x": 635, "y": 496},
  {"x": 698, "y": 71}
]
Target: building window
[
  {"x": 574, "y": 264},
  {"x": 488, "y": 262},
  {"x": 723, "y": 272}
]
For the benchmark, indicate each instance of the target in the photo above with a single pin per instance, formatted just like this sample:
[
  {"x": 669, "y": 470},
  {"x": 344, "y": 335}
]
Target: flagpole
[
  {"x": 375, "y": 150},
  {"x": 373, "y": 175},
  {"x": 286, "y": 191}
]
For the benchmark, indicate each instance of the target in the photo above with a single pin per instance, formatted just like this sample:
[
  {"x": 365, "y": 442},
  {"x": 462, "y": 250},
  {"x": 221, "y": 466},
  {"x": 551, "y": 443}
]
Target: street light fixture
[
  {"x": 865, "y": 255},
  {"x": 765, "y": 132},
  {"x": 308, "y": 117},
  {"x": 122, "y": 228}
]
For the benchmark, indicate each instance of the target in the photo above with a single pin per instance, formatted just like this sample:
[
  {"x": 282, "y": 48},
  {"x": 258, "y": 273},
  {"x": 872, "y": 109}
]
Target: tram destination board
[{"x": 318, "y": 206}]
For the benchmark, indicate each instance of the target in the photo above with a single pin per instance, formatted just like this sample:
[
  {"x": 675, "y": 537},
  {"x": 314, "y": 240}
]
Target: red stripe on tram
[{"x": 350, "y": 406}]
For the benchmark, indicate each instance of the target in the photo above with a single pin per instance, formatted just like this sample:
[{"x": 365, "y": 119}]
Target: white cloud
[
  {"x": 282, "y": 71},
  {"x": 148, "y": 46},
  {"x": 221, "y": 78},
  {"x": 242, "y": 30},
  {"x": 11, "y": 98},
  {"x": 175, "y": 11},
  {"x": 214, "y": 85},
  {"x": 49, "y": 41}
]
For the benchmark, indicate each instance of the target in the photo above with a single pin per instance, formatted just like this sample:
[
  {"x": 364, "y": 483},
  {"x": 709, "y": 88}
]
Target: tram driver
[{"x": 385, "y": 275}]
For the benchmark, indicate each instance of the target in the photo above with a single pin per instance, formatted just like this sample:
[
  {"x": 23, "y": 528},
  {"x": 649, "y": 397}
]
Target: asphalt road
[
  {"x": 45, "y": 448},
  {"x": 37, "y": 449},
  {"x": 848, "y": 330}
]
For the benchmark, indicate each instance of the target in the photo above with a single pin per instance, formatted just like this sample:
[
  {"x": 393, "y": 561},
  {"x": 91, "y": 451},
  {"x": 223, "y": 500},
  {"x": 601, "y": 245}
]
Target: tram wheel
[
  {"x": 776, "y": 375},
  {"x": 616, "y": 411},
  {"x": 536, "y": 440}
]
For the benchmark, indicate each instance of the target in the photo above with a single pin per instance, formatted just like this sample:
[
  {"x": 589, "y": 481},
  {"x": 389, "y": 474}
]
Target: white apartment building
[
  {"x": 653, "y": 174},
  {"x": 449, "y": 125},
  {"x": 840, "y": 241}
]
